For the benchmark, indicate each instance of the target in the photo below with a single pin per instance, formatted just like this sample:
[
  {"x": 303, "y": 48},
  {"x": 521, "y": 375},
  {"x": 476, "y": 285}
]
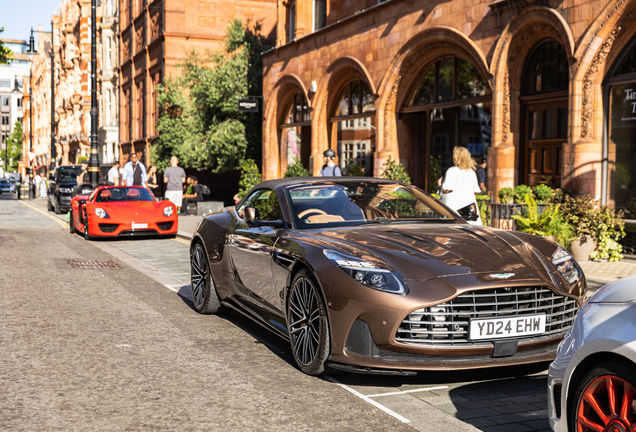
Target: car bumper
[
  {"x": 364, "y": 322},
  {"x": 120, "y": 228}
]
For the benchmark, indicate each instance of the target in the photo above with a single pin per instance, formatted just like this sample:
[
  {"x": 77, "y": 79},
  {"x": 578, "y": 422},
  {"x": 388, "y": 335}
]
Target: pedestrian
[
  {"x": 37, "y": 179},
  {"x": 175, "y": 178},
  {"x": 83, "y": 175},
  {"x": 152, "y": 180},
  {"x": 134, "y": 172},
  {"x": 460, "y": 185},
  {"x": 481, "y": 173},
  {"x": 330, "y": 169},
  {"x": 113, "y": 174},
  {"x": 194, "y": 196},
  {"x": 43, "y": 187}
]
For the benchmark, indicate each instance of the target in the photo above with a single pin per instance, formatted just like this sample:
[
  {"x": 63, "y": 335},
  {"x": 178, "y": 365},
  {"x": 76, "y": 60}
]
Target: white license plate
[
  {"x": 496, "y": 328},
  {"x": 139, "y": 225}
]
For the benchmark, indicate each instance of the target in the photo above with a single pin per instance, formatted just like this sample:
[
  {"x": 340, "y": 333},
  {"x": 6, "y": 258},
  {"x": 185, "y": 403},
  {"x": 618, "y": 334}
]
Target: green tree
[
  {"x": 198, "y": 116},
  {"x": 393, "y": 170},
  {"x": 297, "y": 169},
  {"x": 5, "y": 53},
  {"x": 250, "y": 177},
  {"x": 14, "y": 147}
]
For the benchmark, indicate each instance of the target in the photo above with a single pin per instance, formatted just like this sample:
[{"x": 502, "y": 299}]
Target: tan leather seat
[{"x": 324, "y": 218}]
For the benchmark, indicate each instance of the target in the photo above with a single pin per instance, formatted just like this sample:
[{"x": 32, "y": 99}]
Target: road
[{"x": 102, "y": 336}]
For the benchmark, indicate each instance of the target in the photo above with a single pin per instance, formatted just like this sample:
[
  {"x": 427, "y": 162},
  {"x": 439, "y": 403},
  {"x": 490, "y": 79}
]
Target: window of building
[
  {"x": 4, "y": 100},
  {"x": 108, "y": 107},
  {"x": 546, "y": 69},
  {"x": 5, "y": 82},
  {"x": 320, "y": 14},
  {"x": 295, "y": 138},
  {"x": 448, "y": 106},
  {"x": 5, "y": 120},
  {"x": 140, "y": 111},
  {"x": 155, "y": 81},
  {"x": 19, "y": 102},
  {"x": 352, "y": 126},
  {"x": 291, "y": 21},
  {"x": 109, "y": 52}
]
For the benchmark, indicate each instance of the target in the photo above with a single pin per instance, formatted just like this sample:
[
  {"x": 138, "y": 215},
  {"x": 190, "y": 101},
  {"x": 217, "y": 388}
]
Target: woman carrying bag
[{"x": 460, "y": 186}]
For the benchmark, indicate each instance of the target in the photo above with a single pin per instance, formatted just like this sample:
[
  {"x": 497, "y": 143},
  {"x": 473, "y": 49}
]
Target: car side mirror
[
  {"x": 468, "y": 213},
  {"x": 165, "y": 199},
  {"x": 81, "y": 202},
  {"x": 249, "y": 215},
  {"x": 252, "y": 221}
]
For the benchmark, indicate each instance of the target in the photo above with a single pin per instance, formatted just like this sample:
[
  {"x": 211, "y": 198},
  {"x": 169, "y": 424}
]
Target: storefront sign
[
  {"x": 248, "y": 105},
  {"x": 630, "y": 95}
]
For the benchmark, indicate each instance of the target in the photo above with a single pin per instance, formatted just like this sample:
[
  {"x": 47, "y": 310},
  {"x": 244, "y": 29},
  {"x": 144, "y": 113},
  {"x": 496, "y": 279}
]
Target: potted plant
[
  {"x": 501, "y": 212},
  {"x": 550, "y": 224},
  {"x": 520, "y": 192}
]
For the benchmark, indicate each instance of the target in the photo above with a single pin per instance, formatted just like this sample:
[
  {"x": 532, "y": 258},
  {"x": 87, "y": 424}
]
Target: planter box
[
  {"x": 581, "y": 249},
  {"x": 502, "y": 214}
]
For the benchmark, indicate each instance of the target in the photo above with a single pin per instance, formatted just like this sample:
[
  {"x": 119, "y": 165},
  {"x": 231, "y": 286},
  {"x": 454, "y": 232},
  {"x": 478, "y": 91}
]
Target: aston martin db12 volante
[
  {"x": 122, "y": 211},
  {"x": 376, "y": 276}
]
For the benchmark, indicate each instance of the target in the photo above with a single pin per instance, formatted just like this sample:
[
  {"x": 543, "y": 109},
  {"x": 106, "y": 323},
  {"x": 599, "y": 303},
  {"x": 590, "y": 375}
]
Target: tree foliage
[
  {"x": 199, "y": 121},
  {"x": 5, "y": 53},
  {"x": 250, "y": 177},
  {"x": 14, "y": 147}
]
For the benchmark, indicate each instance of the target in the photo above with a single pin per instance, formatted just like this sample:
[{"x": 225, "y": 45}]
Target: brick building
[
  {"x": 155, "y": 36},
  {"x": 414, "y": 78}
]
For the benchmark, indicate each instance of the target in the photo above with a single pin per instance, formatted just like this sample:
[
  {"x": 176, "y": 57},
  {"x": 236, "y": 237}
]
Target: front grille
[
  {"x": 165, "y": 226},
  {"x": 108, "y": 228},
  {"x": 447, "y": 324},
  {"x": 557, "y": 399}
]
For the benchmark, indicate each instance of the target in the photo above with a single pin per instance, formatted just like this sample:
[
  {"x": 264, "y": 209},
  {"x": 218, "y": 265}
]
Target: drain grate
[
  {"x": 7, "y": 239},
  {"x": 92, "y": 264}
]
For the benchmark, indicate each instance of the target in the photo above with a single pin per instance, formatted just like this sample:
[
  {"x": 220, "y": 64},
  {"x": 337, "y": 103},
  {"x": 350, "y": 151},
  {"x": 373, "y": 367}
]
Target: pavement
[{"x": 249, "y": 364}]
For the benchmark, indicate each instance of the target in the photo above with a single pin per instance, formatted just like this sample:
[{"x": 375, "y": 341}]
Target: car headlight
[
  {"x": 101, "y": 213},
  {"x": 168, "y": 211},
  {"x": 564, "y": 262},
  {"x": 367, "y": 273}
]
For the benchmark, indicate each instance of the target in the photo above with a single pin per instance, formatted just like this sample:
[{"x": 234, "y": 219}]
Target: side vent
[{"x": 284, "y": 259}]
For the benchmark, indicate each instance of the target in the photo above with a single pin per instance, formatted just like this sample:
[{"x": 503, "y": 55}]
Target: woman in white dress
[{"x": 460, "y": 185}]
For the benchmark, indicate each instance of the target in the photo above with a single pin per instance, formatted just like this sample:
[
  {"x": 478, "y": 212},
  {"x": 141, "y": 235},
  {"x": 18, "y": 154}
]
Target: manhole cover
[
  {"x": 92, "y": 264},
  {"x": 7, "y": 239}
]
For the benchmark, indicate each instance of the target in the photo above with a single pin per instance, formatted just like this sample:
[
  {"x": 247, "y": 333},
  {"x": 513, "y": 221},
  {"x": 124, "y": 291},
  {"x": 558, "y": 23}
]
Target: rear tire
[
  {"x": 307, "y": 325},
  {"x": 606, "y": 382},
  {"x": 204, "y": 296}
]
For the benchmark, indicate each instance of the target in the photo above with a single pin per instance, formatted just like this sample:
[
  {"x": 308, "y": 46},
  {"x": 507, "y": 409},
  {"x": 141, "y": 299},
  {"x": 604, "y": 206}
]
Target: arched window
[
  {"x": 620, "y": 142},
  {"x": 447, "y": 106},
  {"x": 295, "y": 130},
  {"x": 352, "y": 126},
  {"x": 546, "y": 69}
]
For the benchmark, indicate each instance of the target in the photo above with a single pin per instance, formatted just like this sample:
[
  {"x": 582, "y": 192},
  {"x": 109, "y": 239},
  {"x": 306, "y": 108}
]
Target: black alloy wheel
[
  {"x": 71, "y": 224},
  {"x": 307, "y": 325},
  {"x": 204, "y": 296}
]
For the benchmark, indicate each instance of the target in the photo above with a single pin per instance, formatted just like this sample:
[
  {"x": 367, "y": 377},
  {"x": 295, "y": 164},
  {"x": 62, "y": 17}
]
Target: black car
[{"x": 61, "y": 185}]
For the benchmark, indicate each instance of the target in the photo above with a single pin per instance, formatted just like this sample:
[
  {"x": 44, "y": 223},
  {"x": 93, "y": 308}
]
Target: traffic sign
[{"x": 31, "y": 156}]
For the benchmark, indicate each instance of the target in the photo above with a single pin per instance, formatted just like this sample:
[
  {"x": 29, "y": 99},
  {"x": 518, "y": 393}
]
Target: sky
[{"x": 18, "y": 16}]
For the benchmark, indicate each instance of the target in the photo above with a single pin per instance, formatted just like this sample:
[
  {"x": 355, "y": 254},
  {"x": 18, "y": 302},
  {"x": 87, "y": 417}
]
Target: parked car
[
  {"x": 61, "y": 184},
  {"x": 592, "y": 382},
  {"x": 122, "y": 211},
  {"x": 6, "y": 186},
  {"x": 376, "y": 276}
]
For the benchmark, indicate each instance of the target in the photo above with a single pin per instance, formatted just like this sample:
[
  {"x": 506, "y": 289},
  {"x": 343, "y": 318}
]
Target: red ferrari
[{"x": 122, "y": 211}]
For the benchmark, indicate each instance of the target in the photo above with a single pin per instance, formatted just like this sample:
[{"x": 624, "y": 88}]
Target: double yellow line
[{"x": 32, "y": 207}]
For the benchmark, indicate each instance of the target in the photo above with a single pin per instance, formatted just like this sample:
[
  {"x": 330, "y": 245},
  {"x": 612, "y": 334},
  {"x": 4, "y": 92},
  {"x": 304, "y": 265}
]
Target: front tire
[
  {"x": 87, "y": 236},
  {"x": 58, "y": 209},
  {"x": 204, "y": 296},
  {"x": 71, "y": 224},
  {"x": 605, "y": 399},
  {"x": 307, "y": 325}
]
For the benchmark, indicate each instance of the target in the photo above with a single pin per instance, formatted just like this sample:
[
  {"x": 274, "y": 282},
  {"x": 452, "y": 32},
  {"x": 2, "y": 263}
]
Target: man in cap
[{"x": 330, "y": 169}]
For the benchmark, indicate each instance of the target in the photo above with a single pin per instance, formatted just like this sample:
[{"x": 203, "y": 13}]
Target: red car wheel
[{"x": 606, "y": 400}]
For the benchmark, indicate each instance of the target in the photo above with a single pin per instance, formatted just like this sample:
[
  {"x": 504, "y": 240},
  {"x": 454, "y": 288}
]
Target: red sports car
[{"x": 120, "y": 211}]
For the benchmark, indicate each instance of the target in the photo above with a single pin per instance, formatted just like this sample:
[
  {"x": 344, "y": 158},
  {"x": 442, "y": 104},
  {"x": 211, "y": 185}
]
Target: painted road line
[
  {"x": 180, "y": 240},
  {"x": 369, "y": 400},
  {"x": 32, "y": 207},
  {"x": 408, "y": 391}
]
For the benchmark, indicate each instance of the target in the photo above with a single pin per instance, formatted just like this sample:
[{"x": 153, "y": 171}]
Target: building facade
[
  {"x": 108, "y": 83},
  {"x": 11, "y": 75},
  {"x": 155, "y": 36},
  {"x": 547, "y": 90}
]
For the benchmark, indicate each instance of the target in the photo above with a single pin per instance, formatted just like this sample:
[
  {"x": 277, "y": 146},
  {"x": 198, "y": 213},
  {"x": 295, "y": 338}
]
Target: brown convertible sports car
[{"x": 376, "y": 276}]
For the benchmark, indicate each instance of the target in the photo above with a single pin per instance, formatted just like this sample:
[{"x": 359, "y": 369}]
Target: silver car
[{"x": 592, "y": 382}]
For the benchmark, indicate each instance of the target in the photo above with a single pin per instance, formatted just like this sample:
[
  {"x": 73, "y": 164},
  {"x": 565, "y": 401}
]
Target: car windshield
[
  {"x": 4, "y": 181},
  {"x": 356, "y": 203},
  {"x": 123, "y": 194},
  {"x": 68, "y": 174}
]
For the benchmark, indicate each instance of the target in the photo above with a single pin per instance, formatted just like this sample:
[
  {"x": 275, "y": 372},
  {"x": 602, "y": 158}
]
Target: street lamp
[
  {"x": 93, "y": 162},
  {"x": 32, "y": 53},
  {"x": 16, "y": 92},
  {"x": 53, "y": 149}
]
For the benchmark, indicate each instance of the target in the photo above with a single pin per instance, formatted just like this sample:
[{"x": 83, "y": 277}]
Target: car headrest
[{"x": 132, "y": 193}]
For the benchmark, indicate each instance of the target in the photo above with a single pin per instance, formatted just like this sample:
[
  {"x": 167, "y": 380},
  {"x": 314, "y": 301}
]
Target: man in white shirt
[
  {"x": 135, "y": 173},
  {"x": 113, "y": 174}
]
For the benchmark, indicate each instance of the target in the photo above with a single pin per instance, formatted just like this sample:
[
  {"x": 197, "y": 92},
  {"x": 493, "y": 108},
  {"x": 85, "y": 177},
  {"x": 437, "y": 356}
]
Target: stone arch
[
  {"x": 518, "y": 39},
  {"x": 403, "y": 72},
  {"x": 338, "y": 73},
  {"x": 598, "y": 50},
  {"x": 287, "y": 86}
]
